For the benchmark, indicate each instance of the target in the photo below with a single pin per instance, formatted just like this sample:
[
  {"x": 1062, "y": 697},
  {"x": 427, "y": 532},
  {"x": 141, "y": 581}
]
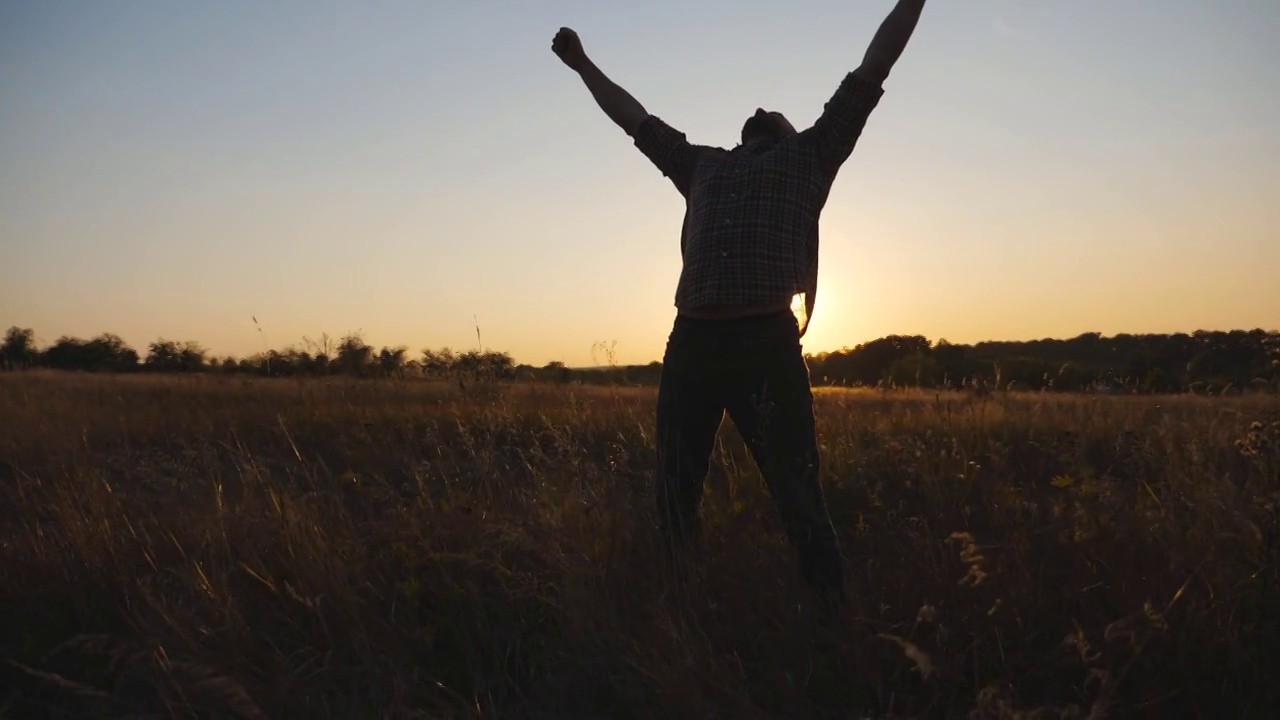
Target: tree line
[
  {"x": 1203, "y": 361},
  {"x": 350, "y": 356}
]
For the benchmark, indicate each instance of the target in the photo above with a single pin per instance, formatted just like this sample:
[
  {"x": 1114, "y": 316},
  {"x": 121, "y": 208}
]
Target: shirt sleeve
[
  {"x": 669, "y": 150},
  {"x": 836, "y": 131}
]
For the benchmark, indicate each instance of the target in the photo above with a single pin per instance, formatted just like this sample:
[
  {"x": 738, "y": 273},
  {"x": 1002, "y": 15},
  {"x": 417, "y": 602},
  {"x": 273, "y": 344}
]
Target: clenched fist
[{"x": 568, "y": 48}]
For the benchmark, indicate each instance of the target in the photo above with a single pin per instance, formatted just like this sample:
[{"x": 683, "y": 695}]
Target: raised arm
[
  {"x": 836, "y": 131},
  {"x": 889, "y": 41},
  {"x": 666, "y": 147},
  {"x": 617, "y": 103}
]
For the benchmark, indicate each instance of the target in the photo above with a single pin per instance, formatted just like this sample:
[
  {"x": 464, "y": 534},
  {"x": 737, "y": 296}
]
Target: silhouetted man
[{"x": 750, "y": 250}]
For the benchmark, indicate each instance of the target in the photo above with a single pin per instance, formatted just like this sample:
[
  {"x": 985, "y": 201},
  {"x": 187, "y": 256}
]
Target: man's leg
[
  {"x": 689, "y": 415},
  {"x": 771, "y": 404}
]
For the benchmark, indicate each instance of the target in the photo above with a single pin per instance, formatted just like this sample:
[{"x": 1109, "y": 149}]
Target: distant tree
[
  {"x": 324, "y": 345},
  {"x": 289, "y": 362},
  {"x": 354, "y": 356},
  {"x": 915, "y": 370},
  {"x": 321, "y": 364},
  {"x": 951, "y": 362},
  {"x": 498, "y": 365},
  {"x": 171, "y": 356},
  {"x": 1273, "y": 360},
  {"x": 391, "y": 361},
  {"x": 19, "y": 348},
  {"x": 437, "y": 363},
  {"x": 1070, "y": 377},
  {"x": 468, "y": 363},
  {"x": 105, "y": 353},
  {"x": 322, "y": 351},
  {"x": 477, "y": 365},
  {"x": 556, "y": 372},
  {"x": 868, "y": 363}
]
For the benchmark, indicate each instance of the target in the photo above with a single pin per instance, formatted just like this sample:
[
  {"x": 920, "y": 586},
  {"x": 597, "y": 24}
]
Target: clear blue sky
[{"x": 1035, "y": 168}]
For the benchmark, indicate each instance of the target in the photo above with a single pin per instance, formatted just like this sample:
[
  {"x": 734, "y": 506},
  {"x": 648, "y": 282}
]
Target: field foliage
[{"x": 342, "y": 548}]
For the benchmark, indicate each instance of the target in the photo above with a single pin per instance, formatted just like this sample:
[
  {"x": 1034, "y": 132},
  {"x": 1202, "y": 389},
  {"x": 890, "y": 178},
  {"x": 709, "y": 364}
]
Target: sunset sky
[{"x": 1035, "y": 169}]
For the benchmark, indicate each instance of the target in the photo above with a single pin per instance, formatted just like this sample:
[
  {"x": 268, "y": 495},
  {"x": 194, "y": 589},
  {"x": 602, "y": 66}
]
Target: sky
[{"x": 413, "y": 170}]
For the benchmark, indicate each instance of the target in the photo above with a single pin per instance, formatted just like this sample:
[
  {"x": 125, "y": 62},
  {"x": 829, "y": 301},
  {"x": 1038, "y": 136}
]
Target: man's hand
[{"x": 568, "y": 47}]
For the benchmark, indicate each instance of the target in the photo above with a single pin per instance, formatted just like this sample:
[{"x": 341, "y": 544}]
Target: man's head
[{"x": 767, "y": 126}]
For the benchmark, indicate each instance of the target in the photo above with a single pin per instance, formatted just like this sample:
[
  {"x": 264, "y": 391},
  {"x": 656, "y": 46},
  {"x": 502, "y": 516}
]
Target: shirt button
[
  {"x": 728, "y": 222},
  {"x": 724, "y": 253}
]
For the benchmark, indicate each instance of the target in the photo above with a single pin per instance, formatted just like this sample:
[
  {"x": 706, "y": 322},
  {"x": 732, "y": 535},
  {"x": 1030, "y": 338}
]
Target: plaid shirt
[{"x": 750, "y": 234}]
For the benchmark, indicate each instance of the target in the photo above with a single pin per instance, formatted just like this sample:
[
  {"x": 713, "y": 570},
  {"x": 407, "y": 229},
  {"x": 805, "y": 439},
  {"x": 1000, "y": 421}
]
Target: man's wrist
[{"x": 869, "y": 74}]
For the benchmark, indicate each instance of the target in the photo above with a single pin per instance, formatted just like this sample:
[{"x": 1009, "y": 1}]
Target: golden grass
[{"x": 339, "y": 548}]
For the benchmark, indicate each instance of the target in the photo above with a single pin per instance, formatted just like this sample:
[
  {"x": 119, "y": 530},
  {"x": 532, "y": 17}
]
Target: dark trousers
[{"x": 753, "y": 368}]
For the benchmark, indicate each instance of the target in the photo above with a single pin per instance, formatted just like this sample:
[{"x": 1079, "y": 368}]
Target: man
[{"x": 750, "y": 250}]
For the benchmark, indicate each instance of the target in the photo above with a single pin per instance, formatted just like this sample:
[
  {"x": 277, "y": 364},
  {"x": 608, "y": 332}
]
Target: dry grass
[{"x": 341, "y": 549}]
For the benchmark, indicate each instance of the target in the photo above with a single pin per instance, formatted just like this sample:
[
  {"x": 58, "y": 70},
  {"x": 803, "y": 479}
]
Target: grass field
[{"x": 367, "y": 549}]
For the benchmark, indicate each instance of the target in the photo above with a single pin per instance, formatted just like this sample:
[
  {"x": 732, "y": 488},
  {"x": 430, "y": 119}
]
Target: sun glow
[{"x": 834, "y": 323}]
